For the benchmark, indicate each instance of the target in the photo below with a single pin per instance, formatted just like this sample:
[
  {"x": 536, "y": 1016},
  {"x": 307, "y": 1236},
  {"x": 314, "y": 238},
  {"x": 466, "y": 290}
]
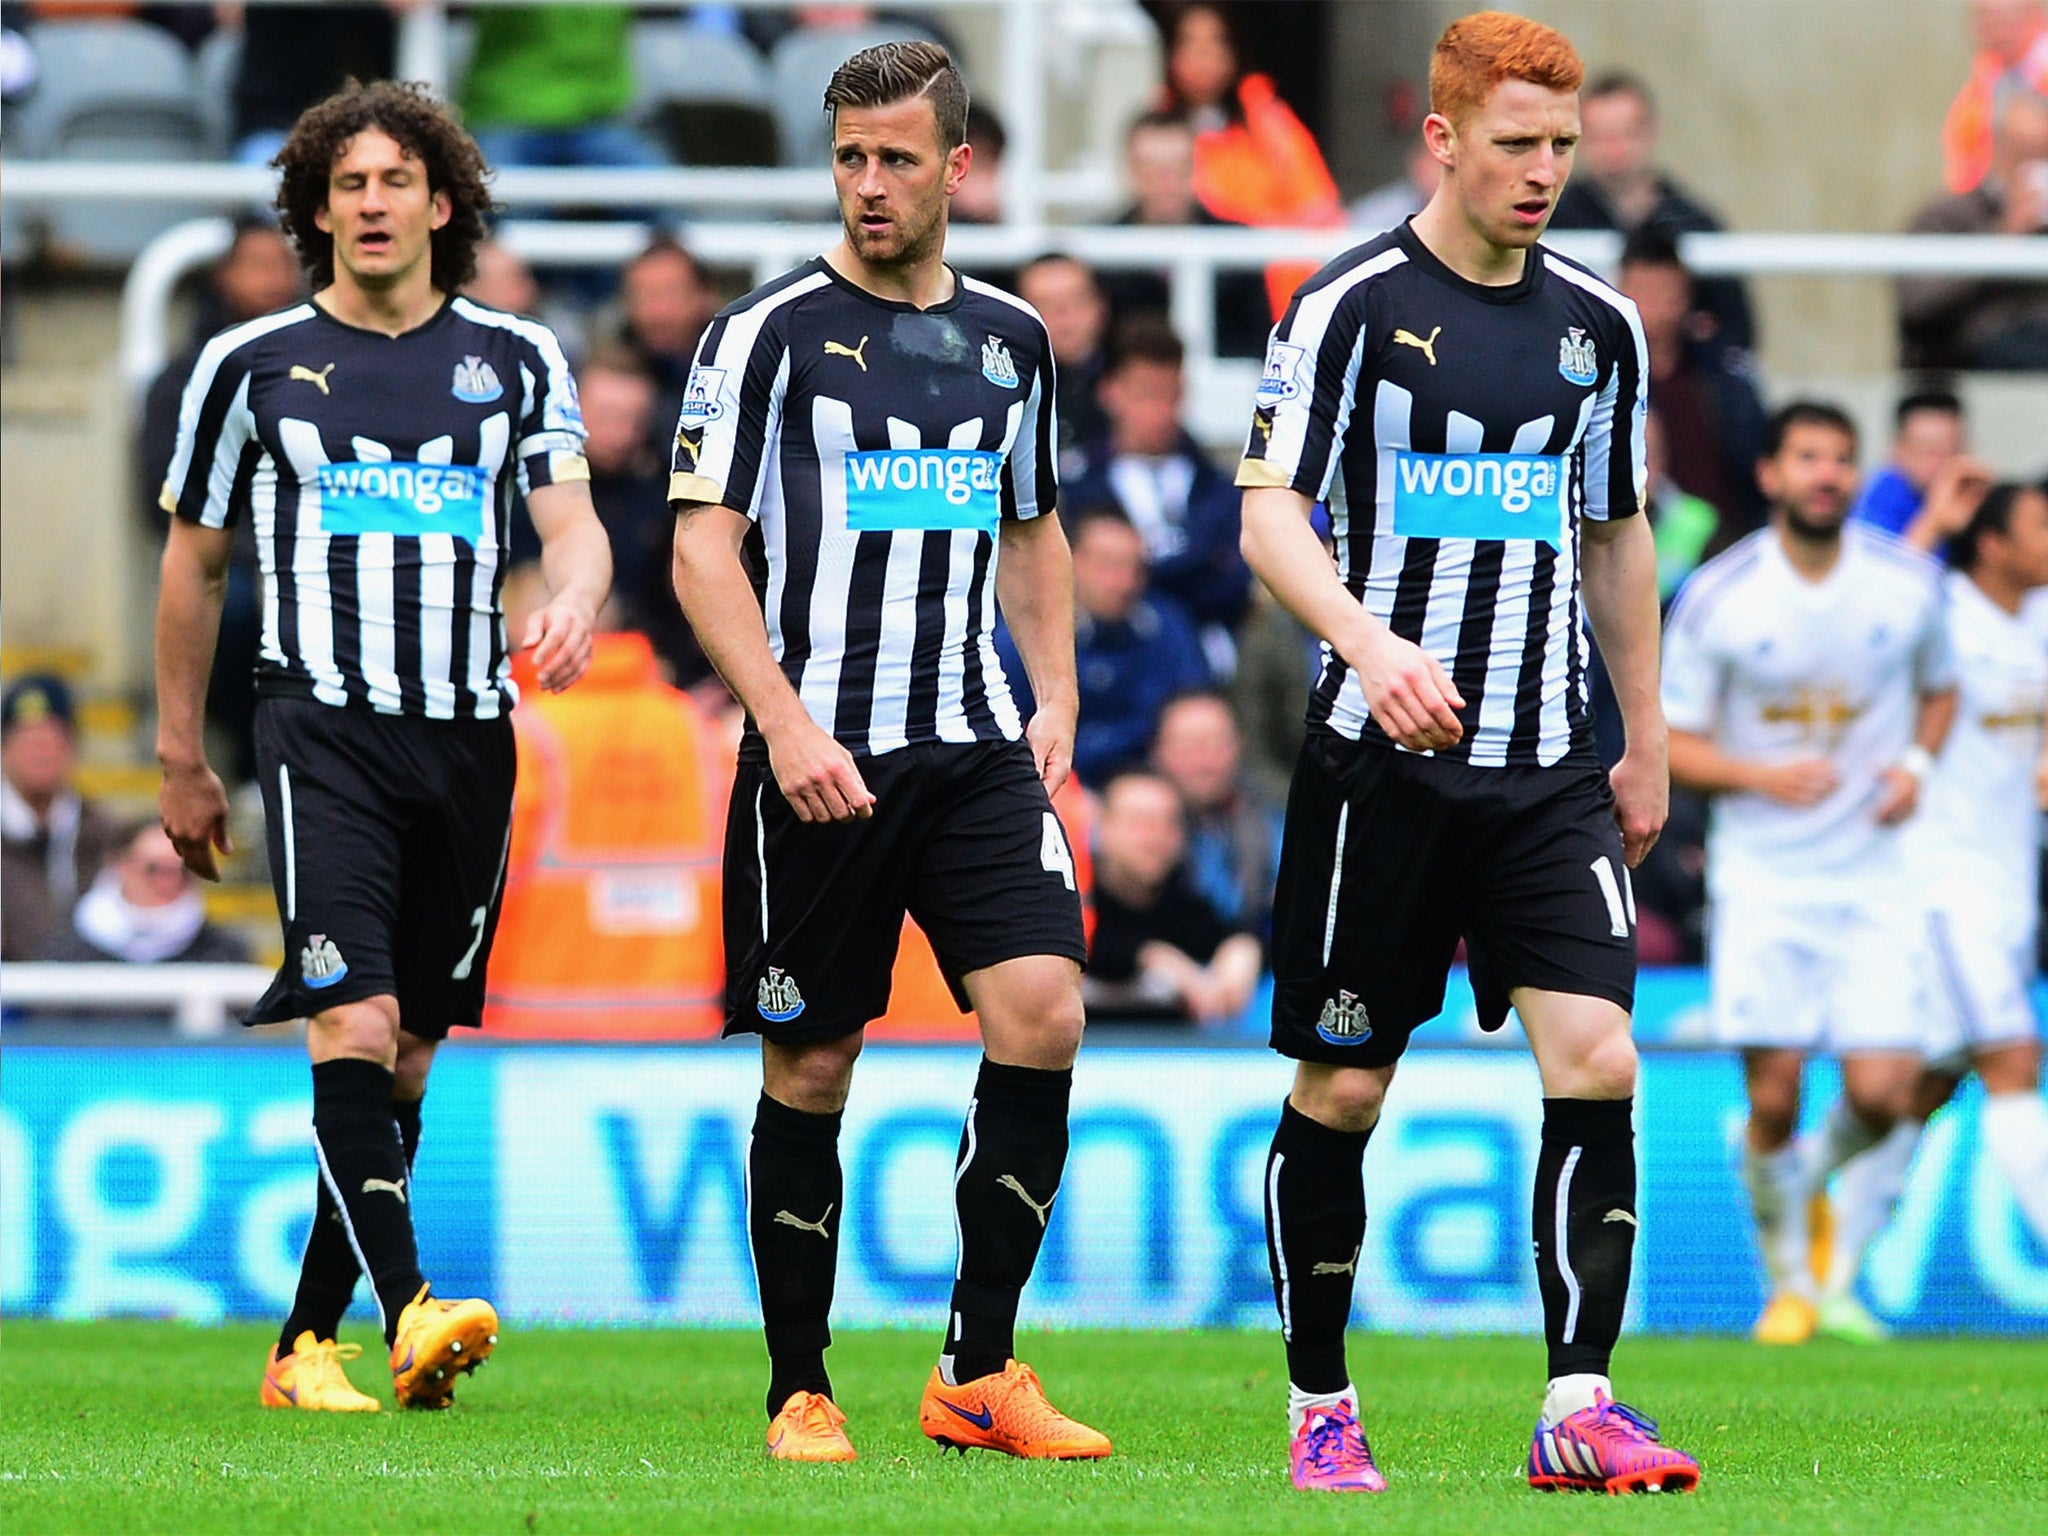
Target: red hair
[{"x": 1477, "y": 52}]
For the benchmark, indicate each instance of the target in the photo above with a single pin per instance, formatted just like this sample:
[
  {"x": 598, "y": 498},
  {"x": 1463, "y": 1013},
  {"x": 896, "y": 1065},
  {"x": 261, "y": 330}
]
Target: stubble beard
[
  {"x": 916, "y": 243},
  {"x": 1803, "y": 528}
]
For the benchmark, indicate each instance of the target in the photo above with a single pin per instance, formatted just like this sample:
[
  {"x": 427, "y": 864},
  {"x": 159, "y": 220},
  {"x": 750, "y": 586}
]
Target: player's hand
[
  {"x": 1953, "y": 498},
  {"x": 1051, "y": 735},
  {"x": 2026, "y": 200},
  {"x": 1898, "y": 795},
  {"x": 817, "y": 775},
  {"x": 193, "y": 805},
  {"x": 560, "y": 638},
  {"x": 2041, "y": 782},
  {"x": 1641, "y": 782},
  {"x": 1799, "y": 784},
  {"x": 1408, "y": 693}
]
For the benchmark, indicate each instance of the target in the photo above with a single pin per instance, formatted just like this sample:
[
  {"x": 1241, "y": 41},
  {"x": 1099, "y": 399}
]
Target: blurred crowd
[{"x": 1192, "y": 678}]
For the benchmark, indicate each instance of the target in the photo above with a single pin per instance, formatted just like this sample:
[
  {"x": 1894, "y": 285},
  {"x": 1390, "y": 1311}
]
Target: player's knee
[
  {"x": 1608, "y": 1069},
  {"x": 1881, "y": 1105},
  {"x": 1036, "y": 1021},
  {"x": 366, "y": 1031},
  {"x": 1343, "y": 1098},
  {"x": 814, "y": 1077},
  {"x": 2008, "y": 1069},
  {"x": 415, "y": 1060},
  {"x": 1056, "y": 1023}
]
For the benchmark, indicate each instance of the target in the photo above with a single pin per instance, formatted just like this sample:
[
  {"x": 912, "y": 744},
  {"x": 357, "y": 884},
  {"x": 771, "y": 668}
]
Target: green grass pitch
[{"x": 143, "y": 1427}]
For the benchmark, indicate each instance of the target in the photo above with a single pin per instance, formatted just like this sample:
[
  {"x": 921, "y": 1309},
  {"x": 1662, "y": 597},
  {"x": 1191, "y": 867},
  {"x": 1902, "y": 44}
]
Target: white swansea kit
[
  {"x": 1812, "y": 935},
  {"x": 1974, "y": 847}
]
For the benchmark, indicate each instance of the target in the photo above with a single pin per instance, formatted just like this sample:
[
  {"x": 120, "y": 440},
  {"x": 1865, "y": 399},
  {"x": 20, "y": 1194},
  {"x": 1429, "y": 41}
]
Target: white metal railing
[
  {"x": 201, "y": 999},
  {"x": 1189, "y": 257}
]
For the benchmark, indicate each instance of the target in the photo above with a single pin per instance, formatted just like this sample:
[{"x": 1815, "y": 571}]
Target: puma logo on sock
[
  {"x": 1617, "y": 1214},
  {"x": 1009, "y": 1181},
  {"x": 1350, "y": 1268},
  {"x": 372, "y": 1186},
  {"x": 791, "y": 1219}
]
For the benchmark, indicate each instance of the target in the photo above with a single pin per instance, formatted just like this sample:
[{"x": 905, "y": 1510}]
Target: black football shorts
[
  {"x": 963, "y": 838},
  {"x": 387, "y": 838},
  {"x": 1390, "y": 857}
]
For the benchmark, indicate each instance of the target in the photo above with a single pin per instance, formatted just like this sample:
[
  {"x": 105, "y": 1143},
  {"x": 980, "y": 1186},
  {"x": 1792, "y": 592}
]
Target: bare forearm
[
  {"x": 1619, "y": 572},
  {"x": 577, "y": 563},
  {"x": 575, "y": 555},
  {"x": 188, "y": 609},
  {"x": 1035, "y": 585},
  {"x": 1936, "y": 716},
  {"x": 1697, "y": 764},
  {"x": 718, "y": 600},
  {"x": 1284, "y": 552}
]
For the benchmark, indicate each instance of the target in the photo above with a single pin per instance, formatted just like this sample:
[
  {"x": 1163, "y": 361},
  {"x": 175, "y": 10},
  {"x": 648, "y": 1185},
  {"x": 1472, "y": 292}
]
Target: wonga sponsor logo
[
  {"x": 403, "y": 499},
  {"x": 1514, "y": 496},
  {"x": 608, "y": 1183},
  {"x": 928, "y": 488}
]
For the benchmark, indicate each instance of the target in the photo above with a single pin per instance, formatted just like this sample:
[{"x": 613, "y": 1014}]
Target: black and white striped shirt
[
  {"x": 379, "y": 472},
  {"x": 877, "y": 449},
  {"x": 1459, "y": 433}
]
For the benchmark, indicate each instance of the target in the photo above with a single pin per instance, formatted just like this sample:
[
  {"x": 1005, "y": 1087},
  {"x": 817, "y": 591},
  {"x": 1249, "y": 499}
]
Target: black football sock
[
  {"x": 794, "y": 1200},
  {"x": 1584, "y": 1222},
  {"x": 363, "y": 1164},
  {"x": 1315, "y": 1231},
  {"x": 1013, "y": 1151},
  {"x": 328, "y": 1272}
]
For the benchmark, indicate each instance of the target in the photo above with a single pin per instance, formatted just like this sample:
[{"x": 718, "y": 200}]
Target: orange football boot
[
  {"x": 1006, "y": 1412},
  {"x": 1788, "y": 1318},
  {"x": 810, "y": 1427},
  {"x": 311, "y": 1377},
  {"x": 438, "y": 1341}
]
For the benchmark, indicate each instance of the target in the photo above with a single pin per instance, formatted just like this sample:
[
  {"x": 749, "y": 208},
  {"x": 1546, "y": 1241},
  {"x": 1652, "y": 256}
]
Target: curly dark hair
[{"x": 422, "y": 126}]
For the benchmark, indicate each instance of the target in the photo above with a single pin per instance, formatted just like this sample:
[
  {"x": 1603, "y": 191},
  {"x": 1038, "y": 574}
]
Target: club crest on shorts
[
  {"x": 1576, "y": 359},
  {"x": 777, "y": 997},
  {"x": 996, "y": 364},
  {"x": 476, "y": 382},
  {"x": 320, "y": 962},
  {"x": 1344, "y": 1020}
]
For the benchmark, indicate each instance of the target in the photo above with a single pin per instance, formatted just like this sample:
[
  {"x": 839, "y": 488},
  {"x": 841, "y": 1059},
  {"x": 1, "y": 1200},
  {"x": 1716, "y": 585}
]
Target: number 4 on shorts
[{"x": 1053, "y": 852}]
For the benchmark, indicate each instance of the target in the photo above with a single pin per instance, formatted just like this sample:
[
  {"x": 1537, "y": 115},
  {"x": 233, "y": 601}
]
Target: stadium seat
[
  {"x": 214, "y": 70},
  {"x": 704, "y": 94},
  {"x": 461, "y": 37},
  {"x": 112, "y": 90},
  {"x": 802, "y": 65}
]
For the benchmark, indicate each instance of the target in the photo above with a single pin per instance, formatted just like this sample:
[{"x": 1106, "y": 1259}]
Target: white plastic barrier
[{"x": 202, "y": 999}]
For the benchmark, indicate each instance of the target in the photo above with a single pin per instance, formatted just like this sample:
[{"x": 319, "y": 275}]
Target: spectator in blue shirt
[
  {"x": 1134, "y": 651},
  {"x": 1929, "y": 433},
  {"x": 1183, "y": 506}
]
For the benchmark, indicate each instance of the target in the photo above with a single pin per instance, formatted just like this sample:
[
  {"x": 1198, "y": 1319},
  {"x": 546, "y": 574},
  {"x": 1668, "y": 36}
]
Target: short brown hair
[
  {"x": 615, "y": 357},
  {"x": 1146, "y": 338},
  {"x": 421, "y": 126},
  {"x": 1477, "y": 52},
  {"x": 891, "y": 72}
]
